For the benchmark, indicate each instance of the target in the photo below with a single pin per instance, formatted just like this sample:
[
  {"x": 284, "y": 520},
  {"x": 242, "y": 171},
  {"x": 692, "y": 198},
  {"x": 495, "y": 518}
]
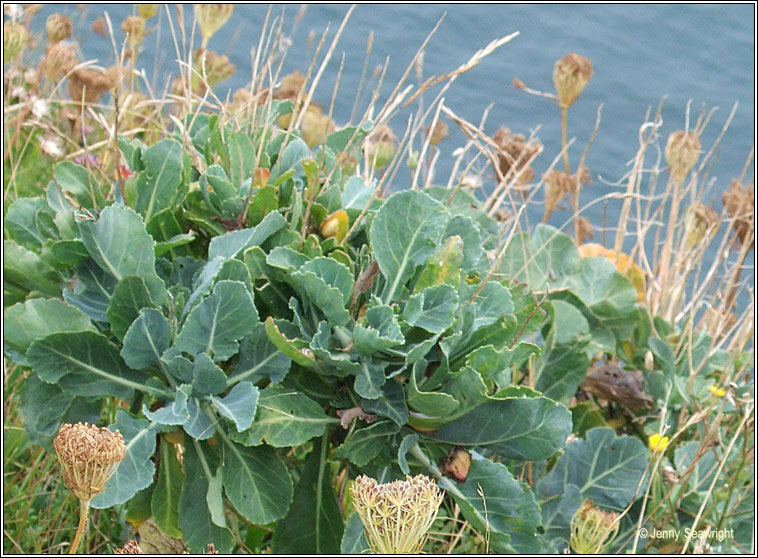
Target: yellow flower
[
  {"x": 592, "y": 529},
  {"x": 658, "y": 442},
  {"x": 717, "y": 391}
]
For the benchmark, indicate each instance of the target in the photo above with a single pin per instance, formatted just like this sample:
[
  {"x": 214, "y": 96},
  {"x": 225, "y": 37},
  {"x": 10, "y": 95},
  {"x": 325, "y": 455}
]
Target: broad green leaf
[
  {"x": 492, "y": 500},
  {"x": 293, "y": 349},
  {"x": 36, "y": 318},
  {"x": 328, "y": 284},
  {"x": 26, "y": 269},
  {"x": 165, "y": 498},
  {"x": 233, "y": 243},
  {"x": 259, "y": 358},
  {"x": 92, "y": 293},
  {"x": 357, "y": 193},
  {"x": 472, "y": 252},
  {"x": 195, "y": 519},
  {"x": 606, "y": 468},
  {"x": 242, "y": 159},
  {"x": 45, "y": 406},
  {"x": 128, "y": 298},
  {"x": 293, "y": 154},
  {"x": 285, "y": 418},
  {"x": 390, "y": 404},
  {"x": 29, "y": 221},
  {"x": 238, "y": 405},
  {"x": 433, "y": 309},
  {"x": 199, "y": 425},
  {"x": 366, "y": 443},
  {"x": 354, "y": 537},
  {"x": 443, "y": 267},
  {"x": 369, "y": 382},
  {"x": 409, "y": 441},
  {"x": 160, "y": 185},
  {"x": 701, "y": 468},
  {"x": 264, "y": 201},
  {"x": 314, "y": 523},
  {"x": 203, "y": 282},
  {"x": 541, "y": 260},
  {"x": 105, "y": 241},
  {"x": 84, "y": 363},
  {"x": 173, "y": 413},
  {"x": 517, "y": 425},
  {"x": 146, "y": 340},
  {"x": 563, "y": 363},
  {"x": 77, "y": 180},
  {"x": 207, "y": 377},
  {"x": 404, "y": 233},
  {"x": 380, "y": 332},
  {"x": 218, "y": 323},
  {"x": 461, "y": 202},
  {"x": 557, "y": 512},
  {"x": 257, "y": 482},
  {"x": 431, "y": 404},
  {"x": 493, "y": 302},
  {"x": 137, "y": 469}
]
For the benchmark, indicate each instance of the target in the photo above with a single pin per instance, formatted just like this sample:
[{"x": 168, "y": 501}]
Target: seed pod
[
  {"x": 571, "y": 75},
  {"x": 88, "y": 85},
  {"x": 212, "y": 17},
  {"x": 438, "y": 133},
  {"x": 15, "y": 38},
  {"x": 740, "y": 204},
  {"x": 59, "y": 27},
  {"x": 89, "y": 456},
  {"x": 316, "y": 126},
  {"x": 682, "y": 152},
  {"x": 214, "y": 67},
  {"x": 146, "y": 11}
]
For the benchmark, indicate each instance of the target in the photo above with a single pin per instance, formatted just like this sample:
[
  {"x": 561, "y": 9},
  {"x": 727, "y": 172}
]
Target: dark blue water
[{"x": 640, "y": 53}]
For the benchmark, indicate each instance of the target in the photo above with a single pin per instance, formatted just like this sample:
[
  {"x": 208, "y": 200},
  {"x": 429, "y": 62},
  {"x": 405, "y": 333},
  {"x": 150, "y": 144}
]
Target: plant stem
[
  {"x": 564, "y": 110},
  {"x": 83, "y": 514}
]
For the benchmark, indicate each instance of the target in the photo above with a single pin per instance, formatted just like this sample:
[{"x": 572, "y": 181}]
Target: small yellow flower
[
  {"x": 592, "y": 529},
  {"x": 717, "y": 391},
  {"x": 658, "y": 443}
]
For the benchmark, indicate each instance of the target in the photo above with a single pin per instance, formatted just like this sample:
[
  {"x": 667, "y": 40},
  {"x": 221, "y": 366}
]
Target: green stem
[
  {"x": 564, "y": 110},
  {"x": 83, "y": 515}
]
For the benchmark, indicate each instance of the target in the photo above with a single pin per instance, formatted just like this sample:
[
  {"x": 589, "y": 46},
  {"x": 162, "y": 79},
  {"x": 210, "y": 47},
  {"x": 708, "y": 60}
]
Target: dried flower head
[
  {"x": 396, "y": 515},
  {"x": 213, "y": 67},
  {"x": 701, "y": 223},
  {"x": 380, "y": 146},
  {"x": 60, "y": 60},
  {"x": 134, "y": 29},
  {"x": 59, "y": 27},
  {"x": 98, "y": 26},
  {"x": 438, "y": 133},
  {"x": 146, "y": 11},
  {"x": 658, "y": 442},
  {"x": 88, "y": 84},
  {"x": 290, "y": 86},
  {"x": 15, "y": 38},
  {"x": 682, "y": 152},
  {"x": 89, "y": 456},
  {"x": 514, "y": 154},
  {"x": 131, "y": 547},
  {"x": 570, "y": 76},
  {"x": 212, "y": 17},
  {"x": 316, "y": 126},
  {"x": 586, "y": 232},
  {"x": 740, "y": 204},
  {"x": 557, "y": 185},
  {"x": 670, "y": 476},
  {"x": 592, "y": 529}
]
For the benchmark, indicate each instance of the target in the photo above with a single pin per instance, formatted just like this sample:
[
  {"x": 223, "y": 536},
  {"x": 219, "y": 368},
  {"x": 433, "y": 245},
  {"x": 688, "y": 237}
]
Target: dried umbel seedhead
[
  {"x": 381, "y": 146},
  {"x": 586, "y": 232},
  {"x": 682, "y": 152},
  {"x": 316, "y": 126},
  {"x": 214, "y": 67},
  {"x": 290, "y": 86},
  {"x": 570, "y": 76},
  {"x": 60, "y": 59},
  {"x": 212, "y": 17},
  {"x": 88, "y": 84},
  {"x": 438, "y": 133},
  {"x": 397, "y": 515},
  {"x": 740, "y": 204},
  {"x": 98, "y": 26},
  {"x": 15, "y": 38},
  {"x": 592, "y": 529},
  {"x": 557, "y": 185},
  {"x": 515, "y": 153},
  {"x": 134, "y": 29},
  {"x": 146, "y": 11},
  {"x": 59, "y": 27},
  {"x": 700, "y": 225},
  {"x": 89, "y": 456},
  {"x": 131, "y": 547}
]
